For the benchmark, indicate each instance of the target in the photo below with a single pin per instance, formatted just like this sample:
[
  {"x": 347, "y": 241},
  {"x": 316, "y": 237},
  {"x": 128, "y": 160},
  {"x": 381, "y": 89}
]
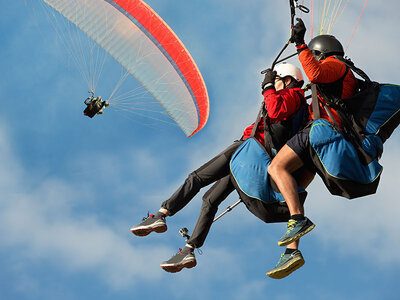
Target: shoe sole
[
  {"x": 143, "y": 231},
  {"x": 286, "y": 270},
  {"x": 176, "y": 268},
  {"x": 296, "y": 236}
]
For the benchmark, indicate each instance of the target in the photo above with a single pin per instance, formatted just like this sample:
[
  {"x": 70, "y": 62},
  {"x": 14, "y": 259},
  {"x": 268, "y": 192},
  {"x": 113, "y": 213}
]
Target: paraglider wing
[{"x": 140, "y": 41}]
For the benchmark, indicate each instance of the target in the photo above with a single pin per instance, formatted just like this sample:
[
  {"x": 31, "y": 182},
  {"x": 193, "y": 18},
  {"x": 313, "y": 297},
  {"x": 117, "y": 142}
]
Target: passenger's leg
[
  {"x": 215, "y": 169},
  {"x": 211, "y": 200},
  {"x": 185, "y": 258}
]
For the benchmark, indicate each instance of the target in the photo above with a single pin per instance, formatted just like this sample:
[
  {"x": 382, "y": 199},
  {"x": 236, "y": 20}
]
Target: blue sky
[{"x": 71, "y": 187}]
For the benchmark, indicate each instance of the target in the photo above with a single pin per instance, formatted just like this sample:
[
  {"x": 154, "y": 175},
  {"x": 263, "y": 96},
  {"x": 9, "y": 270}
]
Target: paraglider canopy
[{"x": 146, "y": 47}]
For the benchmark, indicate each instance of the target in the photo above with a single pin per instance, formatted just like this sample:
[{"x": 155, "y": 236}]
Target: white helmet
[{"x": 285, "y": 69}]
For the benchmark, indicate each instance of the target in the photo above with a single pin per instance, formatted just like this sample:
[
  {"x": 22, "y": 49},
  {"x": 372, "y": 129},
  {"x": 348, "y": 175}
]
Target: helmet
[
  {"x": 325, "y": 45},
  {"x": 283, "y": 70}
]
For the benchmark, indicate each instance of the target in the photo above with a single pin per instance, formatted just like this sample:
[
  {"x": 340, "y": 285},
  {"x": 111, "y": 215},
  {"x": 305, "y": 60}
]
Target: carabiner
[{"x": 303, "y": 9}]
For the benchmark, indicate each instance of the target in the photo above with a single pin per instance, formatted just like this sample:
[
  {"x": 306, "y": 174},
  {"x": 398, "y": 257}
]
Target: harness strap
[
  {"x": 253, "y": 132},
  {"x": 268, "y": 141},
  {"x": 315, "y": 102},
  {"x": 351, "y": 65},
  {"x": 268, "y": 144},
  {"x": 329, "y": 113},
  {"x": 264, "y": 114}
]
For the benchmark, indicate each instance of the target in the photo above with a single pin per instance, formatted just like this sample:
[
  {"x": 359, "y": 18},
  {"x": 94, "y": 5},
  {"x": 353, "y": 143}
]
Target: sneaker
[
  {"x": 287, "y": 264},
  {"x": 183, "y": 259},
  {"x": 149, "y": 224},
  {"x": 296, "y": 229}
]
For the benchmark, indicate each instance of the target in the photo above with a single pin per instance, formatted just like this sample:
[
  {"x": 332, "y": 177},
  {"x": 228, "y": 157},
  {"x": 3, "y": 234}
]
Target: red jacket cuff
[{"x": 268, "y": 91}]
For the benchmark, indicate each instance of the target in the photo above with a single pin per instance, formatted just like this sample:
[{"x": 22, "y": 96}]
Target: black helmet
[{"x": 325, "y": 45}]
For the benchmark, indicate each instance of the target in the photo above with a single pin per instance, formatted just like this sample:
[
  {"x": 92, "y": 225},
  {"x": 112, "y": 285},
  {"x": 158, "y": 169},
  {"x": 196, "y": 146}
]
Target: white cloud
[
  {"x": 363, "y": 226},
  {"x": 41, "y": 221},
  {"x": 49, "y": 221}
]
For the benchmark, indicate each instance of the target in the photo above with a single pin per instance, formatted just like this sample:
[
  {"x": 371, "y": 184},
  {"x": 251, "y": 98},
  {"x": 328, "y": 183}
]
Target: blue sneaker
[
  {"x": 287, "y": 264},
  {"x": 296, "y": 229}
]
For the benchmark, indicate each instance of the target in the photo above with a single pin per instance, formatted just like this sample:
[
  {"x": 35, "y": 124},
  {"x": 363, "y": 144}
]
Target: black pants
[
  {"x": 217, "y": 169},
  {"x": 211, "y": 200},
  {"x": 267, "y": 212},
  {"x": 210, "y": 172}
]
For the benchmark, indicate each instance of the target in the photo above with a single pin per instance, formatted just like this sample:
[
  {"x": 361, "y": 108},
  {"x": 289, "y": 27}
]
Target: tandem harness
[
  {"x": 347, "y": 160},
  {"x": 249, "y": 164}
]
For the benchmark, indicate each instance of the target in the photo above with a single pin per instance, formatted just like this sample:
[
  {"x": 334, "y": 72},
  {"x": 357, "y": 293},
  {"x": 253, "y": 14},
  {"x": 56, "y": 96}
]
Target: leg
[
  {"x": 269, "y": 212},
  {"x": 288, "y": 160},
  {"x": 215, "y": 169},
  {"x": 305, "y": 177},
  {"x": 185, "y": 258},
  {"x": 280, "y": 169},
  {"x": 292, "y": 259},
  {"x": 211, "y": 200}
]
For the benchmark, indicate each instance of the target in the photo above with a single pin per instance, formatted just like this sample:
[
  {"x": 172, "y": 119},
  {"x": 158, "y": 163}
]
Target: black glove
[
  {"x": 269, "y": 80},
  {"x": 298, "y": 32}
]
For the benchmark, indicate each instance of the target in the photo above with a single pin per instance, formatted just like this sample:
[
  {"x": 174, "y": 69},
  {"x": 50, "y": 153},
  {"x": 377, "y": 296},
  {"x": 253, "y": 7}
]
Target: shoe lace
[
  {"x": 148, "y": 216},
  {"x": 280, "y": 259},
  {"x": 180, "y": 251},
  {"x": 290, "y": 225}
]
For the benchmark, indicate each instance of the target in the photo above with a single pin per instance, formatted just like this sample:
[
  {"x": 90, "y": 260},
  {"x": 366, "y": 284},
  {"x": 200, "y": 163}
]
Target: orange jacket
[{"x": 328, "y": 70}]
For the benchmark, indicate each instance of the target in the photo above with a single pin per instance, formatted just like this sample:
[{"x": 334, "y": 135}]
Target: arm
[
  {"x": 282, "y": 104},
  {"x": 325, "y": 71}
]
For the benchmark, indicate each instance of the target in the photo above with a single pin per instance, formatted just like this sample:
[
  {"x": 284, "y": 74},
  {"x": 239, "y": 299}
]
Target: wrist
[
  {"x": 301, "y": 47},
  {"x": 267, "y": 86}
]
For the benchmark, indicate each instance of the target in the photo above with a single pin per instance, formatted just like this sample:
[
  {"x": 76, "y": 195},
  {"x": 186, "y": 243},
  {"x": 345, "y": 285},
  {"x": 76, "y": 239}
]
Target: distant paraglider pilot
[{"x": 94, "y": 106}]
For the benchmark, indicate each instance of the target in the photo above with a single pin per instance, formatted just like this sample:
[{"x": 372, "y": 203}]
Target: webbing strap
[
  {"x": 329, "y": 113},
  {"x": 268, "y": 144},
  {"x": 264, "y": 114},
  {"x": 315, "y": 106},
  {"x": 315, "y": 102},
  {"x": 253, "y": 132}
]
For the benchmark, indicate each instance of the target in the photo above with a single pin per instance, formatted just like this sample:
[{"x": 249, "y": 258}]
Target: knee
[
  {"x": 208, "y": 205},
  {"x": 193, "y": 177},
  {"x": 274, "y": 168},
  {"x": 207, "y": 199}
]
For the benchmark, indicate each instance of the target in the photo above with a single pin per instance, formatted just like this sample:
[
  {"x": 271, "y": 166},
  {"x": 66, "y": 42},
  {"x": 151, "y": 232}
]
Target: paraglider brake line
[
  {"x": 286, "y": 58},
  {"x": 293, "y": 6}
]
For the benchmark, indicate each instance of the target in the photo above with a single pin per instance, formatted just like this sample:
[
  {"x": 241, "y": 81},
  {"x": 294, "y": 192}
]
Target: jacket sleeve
[
  {"x": 325, "y": 71},
  {"x": 282, "y": 104}
]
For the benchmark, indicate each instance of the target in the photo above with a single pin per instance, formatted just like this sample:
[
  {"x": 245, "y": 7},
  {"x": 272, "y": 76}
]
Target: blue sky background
[{"x": 71, "y": 187}]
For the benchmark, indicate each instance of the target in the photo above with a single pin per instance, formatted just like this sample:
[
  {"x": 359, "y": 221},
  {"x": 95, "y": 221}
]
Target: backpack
[
  {"x": 347, "y": 160},
  {"x": 373, "y": 110}
]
